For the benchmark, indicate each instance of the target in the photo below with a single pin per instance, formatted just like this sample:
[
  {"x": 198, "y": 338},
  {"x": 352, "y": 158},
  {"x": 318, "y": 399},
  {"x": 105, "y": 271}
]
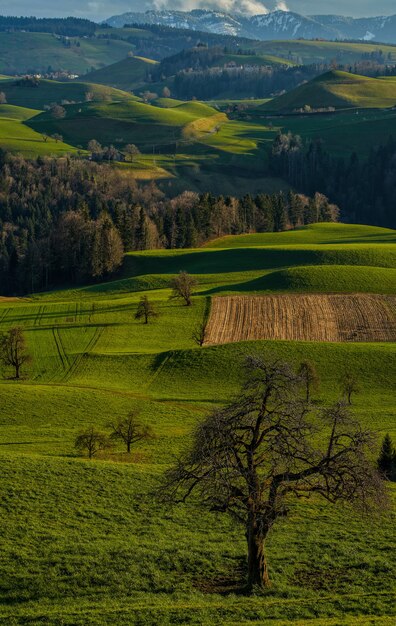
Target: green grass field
[
  {"x": 127, "y": 74},
  {"x": 50, "y": 91},
  {"x": 83, "y": 542},
  {"x": 340, "y": 90},
  {"x": 24, "y": 52},
  {"x": 17, "y": 137},
  {"x": 306, "y": 52}
]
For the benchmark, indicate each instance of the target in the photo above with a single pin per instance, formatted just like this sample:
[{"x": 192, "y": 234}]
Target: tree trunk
[
  {"x": 257, "y": 564},
  {"x": 17, "y": 368}
]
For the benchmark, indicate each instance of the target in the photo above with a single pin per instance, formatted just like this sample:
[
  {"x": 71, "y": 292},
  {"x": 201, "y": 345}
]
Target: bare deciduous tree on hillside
[
  {"x": 91, "y": 441},
  {"x": 309, "y": 376},
  {"x": 199, "y": 333},
  {"x": 252, "y": 457},
  {"x": 146, "y": 310},
  {"x": 182, "y": 287},
  {"x": 349, "y": 384},
  {"x": 13, "y": 350},
  {"x": 129, "y": 430}
]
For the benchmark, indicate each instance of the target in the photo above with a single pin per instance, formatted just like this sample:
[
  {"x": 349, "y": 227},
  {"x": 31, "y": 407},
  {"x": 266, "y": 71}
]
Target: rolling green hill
[
  {"x": 128, "y": 74},
  {"x": 307, "y": 52},
  {"x": 340, "y": 90},
  {"x": 84, "y": 542},
  {"x": 26, "y": 52},
  {"x": 17, "y": 137},
  {"x": 45, "y": 92},
  {"x": 130, "y": 121}
]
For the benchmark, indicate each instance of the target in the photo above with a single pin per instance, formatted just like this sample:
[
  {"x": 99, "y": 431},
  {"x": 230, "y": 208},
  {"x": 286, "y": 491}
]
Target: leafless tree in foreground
[
  {"x": 91, "y": 442},
  {"x": 182, "y": 287},
  {"x": 129, "y": 430},
  {"x": 250, "y": 458},
  {"x": 13, "y": 350}
]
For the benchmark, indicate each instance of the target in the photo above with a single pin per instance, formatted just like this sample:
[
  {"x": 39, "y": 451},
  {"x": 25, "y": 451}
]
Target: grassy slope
[
  {"x": 16, "y": 137},
  {"x": 127, "y": 122},
  {"x": 307, "y": 52},
  {"x": 81, "y": 542},
  {"x": 340, "y": 90},
  {"x": 126, "y": 74},
  {"x": 49, "y": 91},
  {"x": 23, "y": 52}
]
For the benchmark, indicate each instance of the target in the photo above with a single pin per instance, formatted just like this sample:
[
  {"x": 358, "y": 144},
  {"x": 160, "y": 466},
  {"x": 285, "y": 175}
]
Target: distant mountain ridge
[{"x": 273, "y": 25}]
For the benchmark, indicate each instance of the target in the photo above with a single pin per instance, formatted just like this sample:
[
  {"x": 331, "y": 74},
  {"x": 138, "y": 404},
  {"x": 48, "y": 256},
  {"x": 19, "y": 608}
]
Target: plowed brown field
[{"x": 330, "y": 317}]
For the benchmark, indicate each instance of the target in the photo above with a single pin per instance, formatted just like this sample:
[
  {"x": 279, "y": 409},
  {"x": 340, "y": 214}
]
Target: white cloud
[
  {"x": 246, "y": 7},
  {"x": 282, "y": 6}
]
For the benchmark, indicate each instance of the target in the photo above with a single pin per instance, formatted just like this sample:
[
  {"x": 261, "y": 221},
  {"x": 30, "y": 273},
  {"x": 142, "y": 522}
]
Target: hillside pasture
[{"x": 85, "y": 542}]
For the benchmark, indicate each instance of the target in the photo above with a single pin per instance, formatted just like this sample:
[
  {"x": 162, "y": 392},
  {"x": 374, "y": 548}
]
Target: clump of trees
[
  {"x": 14, "y": 352},
  {"x": 252, "y": 457},
  {"x": 128, "y": 431},
  {"x": 364, "y": 189}
]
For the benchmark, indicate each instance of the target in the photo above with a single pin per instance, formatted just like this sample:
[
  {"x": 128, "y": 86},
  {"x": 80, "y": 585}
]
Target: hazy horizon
[{"x": 101, "y": 9}]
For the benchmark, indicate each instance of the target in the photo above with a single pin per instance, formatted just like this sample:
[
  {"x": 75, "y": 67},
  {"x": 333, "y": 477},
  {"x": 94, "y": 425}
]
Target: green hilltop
[
  {"x": 339, "y": 90},
  {"x": 26, "y": 52},
  {"x": 16, "y": 136},
  {"x": 127, "y": 74},
  {"x": 37, "y": 95}
]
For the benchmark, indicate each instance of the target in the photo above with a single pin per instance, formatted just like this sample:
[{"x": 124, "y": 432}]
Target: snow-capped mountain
[{"x": 273, "y": 25}]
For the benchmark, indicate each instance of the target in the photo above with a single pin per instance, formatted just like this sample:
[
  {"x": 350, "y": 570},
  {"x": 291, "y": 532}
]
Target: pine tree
[{"x": 387, "y": 459}]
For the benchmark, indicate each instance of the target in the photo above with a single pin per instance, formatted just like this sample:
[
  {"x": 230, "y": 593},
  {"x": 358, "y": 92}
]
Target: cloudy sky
[{"x": 100, "y": 9}]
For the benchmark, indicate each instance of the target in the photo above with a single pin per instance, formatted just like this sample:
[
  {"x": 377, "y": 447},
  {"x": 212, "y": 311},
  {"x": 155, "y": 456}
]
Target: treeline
[
  {"x": 254, "y": 81},
  {"x": 65, "y": 221},
  {"x": 200, "y": 58},
  {"x": 68, "y": 27},
  {"x": 364, "y": 189}
]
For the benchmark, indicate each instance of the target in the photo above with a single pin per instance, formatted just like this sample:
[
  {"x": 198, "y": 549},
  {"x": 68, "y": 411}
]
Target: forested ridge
[
  {"x": 68, "y": 220},
  {"x": 364, "y": 189}
]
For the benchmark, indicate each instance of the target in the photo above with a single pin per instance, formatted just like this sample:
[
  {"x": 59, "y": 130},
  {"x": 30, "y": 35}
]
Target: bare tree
[
  {"x": 145, "y": 310},
  {"x": 129, "y": 430},
  {"x": 58, "y": 112},
  {"x": 199, "y": 334},
  {"x": 3, "y": 98},
  {"x": 94, "y": 147},
  {"x": 252, "y": 457},
  {"x": 13, "y": 350},
  {"x": 131, "y": 151},
  {"x": 57, "y": 137},
  {"x": 182, "y": 287},
  {"x": 349, "y": 385},
  {"x": 309, "y": 377},
  {"x": 91, "y": 442}
]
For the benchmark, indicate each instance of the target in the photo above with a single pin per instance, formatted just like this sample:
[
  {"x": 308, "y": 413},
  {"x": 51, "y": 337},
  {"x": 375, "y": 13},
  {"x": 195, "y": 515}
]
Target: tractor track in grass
[
  {"x": 4, "y": 315},
  {"x": 79, "y": 358}
]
